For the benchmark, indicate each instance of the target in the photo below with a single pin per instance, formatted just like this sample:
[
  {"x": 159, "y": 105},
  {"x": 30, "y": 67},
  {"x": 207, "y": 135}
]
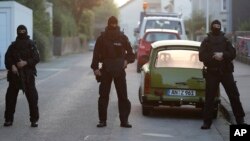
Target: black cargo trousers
[
  {"x": 121, "y": 89},
  {"x": 213, "y": 79},
  {"x": 12, "y": 93}
]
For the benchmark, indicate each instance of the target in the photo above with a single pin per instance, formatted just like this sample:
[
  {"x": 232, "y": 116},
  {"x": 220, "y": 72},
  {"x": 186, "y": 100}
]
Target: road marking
[
  {"x": 158, "y": 135},
  {"x": 86, "y": 138}
]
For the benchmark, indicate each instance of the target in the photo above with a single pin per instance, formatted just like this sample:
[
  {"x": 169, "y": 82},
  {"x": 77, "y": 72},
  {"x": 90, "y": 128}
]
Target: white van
[{"x": 158, "y": 22}]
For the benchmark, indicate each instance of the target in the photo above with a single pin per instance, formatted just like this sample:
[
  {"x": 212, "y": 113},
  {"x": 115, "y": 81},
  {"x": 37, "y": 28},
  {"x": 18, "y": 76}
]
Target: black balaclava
[
  {"x": 112, "y": 20},
  {"x": 216, "y": 27},
  {"x": 22, "y": 32}
]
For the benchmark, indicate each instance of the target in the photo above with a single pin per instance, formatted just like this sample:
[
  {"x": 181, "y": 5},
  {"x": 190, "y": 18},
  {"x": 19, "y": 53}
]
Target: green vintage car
[{"x": 173, "y": 76}]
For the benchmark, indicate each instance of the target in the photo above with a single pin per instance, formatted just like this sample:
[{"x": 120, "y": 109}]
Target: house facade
[
  {"x": 129, "y": 17},
  {"x": 218, "y": 9},
  {"x": 231, "y": 13},
  {"x": 239, "y": 9}
]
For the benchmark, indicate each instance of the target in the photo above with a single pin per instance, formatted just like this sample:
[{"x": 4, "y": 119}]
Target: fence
[
  {"x": 66, "y": 45},
  {"x": 242, "y": 46}
]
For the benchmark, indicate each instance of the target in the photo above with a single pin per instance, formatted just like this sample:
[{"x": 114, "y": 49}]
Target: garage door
[{"x": 5, "y": 34}]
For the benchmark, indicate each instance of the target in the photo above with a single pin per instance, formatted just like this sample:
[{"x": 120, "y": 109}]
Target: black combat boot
[
  {"x": 101, "y": 124},
  {"x": 126, "y": 125},
  {"x": 34, "y": 124},
  {"x": 206, "y": 124},
  {"x": 7, "y": 123},
  {"x": 240, "y": 121}
]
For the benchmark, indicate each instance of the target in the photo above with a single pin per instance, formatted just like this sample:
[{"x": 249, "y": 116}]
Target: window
[
  {"x": 157, "y": 36},
  {"x": 164, "y": 24},
  {"x": 224, "y": 5},
  {"x": 178, "y": 59},
  {"x": 224, "y": 29}
]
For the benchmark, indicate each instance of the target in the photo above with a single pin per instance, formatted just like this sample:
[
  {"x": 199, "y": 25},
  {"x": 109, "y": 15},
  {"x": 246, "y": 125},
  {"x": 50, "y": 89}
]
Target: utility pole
[{"x": 207, "y": 17}]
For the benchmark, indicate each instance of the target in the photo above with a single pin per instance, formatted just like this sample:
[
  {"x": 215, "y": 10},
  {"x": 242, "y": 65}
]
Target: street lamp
[{"x": 207, "y": 17}]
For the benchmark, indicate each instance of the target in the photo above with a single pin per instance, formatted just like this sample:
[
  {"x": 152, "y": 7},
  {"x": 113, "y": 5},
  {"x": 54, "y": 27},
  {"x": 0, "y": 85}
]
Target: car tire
[{"x": 146, "y": 110}]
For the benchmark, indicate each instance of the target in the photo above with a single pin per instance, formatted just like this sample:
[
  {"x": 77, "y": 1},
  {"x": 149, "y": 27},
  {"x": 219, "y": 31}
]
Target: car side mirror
[{"x": 136, "y": 31}]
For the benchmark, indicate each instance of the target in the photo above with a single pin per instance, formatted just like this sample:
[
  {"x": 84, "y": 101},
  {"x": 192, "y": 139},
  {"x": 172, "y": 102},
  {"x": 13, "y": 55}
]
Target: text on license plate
[{"x": 178, "y": 92}]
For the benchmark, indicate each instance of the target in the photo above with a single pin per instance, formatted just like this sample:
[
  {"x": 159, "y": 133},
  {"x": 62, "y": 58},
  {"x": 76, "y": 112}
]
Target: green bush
[
  {"x": 43, "y": 44},
  {"x": 64, "y": 24},
  {"x": 245, "y": 26}
]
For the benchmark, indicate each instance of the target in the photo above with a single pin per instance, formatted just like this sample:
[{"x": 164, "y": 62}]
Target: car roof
[
  {"x": 161, "y": 14},
  {"x": 176, "y": 43},
  {"x": 162, "y": 30},
  {"x": 159, "y": 18}
]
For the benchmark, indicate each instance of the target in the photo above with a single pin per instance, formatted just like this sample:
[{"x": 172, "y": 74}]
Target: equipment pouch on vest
[
  {"x": 204, "y": 71},
  {"x": 114, "y": 66}
]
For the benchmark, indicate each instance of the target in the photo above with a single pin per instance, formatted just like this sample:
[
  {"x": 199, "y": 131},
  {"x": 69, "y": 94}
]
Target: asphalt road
[{"x": 68, "y": 96}]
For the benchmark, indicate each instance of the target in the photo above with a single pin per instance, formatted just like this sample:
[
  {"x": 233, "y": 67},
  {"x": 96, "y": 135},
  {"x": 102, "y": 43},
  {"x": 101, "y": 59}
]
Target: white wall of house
[
  {"x": 129, "y": 17},
  {"x": 180, "y": 6},
  {"x": 218, "y": 9},
  {"x": 12, "y": 14}
]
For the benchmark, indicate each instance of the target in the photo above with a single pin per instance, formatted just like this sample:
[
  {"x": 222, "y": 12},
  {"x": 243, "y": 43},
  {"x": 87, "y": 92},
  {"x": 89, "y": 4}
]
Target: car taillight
[{"x": 147, "y": 83}]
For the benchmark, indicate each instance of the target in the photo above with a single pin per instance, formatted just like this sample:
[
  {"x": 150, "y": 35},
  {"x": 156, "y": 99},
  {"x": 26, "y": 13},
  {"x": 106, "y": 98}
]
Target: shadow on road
[{"x": 176, "y": 112}]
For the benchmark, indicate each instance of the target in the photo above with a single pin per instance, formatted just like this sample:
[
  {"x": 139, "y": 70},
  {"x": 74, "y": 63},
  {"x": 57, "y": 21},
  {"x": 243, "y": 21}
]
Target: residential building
[
  {"x": 239, "y": 13},
  {"x": 231, "y": 13},
  {"x": 129, "y": 17}
]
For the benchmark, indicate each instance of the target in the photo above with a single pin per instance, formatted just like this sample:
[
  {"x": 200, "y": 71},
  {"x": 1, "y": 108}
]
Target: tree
[
  {"x": 41, "y": 24},
  {"x": 72, "y": 17},
  {"x": 77, "y": 7},
  {"x": 196, "y": 24},
  {"x": 87, "y": 25},
  {"x": 102, "y": 13},
  {"x": 41, "y": 19},
  {"x": 245, "y": 26}
]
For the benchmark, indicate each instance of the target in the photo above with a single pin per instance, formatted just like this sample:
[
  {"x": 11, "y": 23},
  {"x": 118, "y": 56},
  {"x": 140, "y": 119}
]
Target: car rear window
[
  {"x": 157, "y": 36},
  {"x": 163, "y": 24},
  {"x": 178, "y": 59}
]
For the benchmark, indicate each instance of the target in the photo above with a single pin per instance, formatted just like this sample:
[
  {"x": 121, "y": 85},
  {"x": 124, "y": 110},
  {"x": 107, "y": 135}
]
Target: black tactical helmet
[
  {"x": 21, "y": 29},
  {"x": 112, "y": 20},
  {"x": 215, "y": 27}
]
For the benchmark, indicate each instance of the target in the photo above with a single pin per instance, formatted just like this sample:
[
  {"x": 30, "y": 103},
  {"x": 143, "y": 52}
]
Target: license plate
[{"x": 178, "y": 92}]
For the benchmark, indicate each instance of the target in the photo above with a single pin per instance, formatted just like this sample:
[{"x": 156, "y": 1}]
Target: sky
[{"x": 120, "y": 2}]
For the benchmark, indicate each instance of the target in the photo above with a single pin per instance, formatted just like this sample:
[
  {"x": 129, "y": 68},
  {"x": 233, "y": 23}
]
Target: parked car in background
[
  {"x": 173, "y": 76},
  {"x": 160, "y": 22},
  {"x": 150, "y": 36},
  {"x": 91, "y": 45}
]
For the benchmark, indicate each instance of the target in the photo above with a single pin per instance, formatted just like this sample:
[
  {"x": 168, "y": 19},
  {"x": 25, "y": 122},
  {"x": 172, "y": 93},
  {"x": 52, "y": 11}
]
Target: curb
[{"x": 226, "y": 110}]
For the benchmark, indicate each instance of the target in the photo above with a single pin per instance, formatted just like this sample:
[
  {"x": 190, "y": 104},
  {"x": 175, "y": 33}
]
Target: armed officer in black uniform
[
  {"x": 20, "y": 61},
  {"x": 114, "y": 52},
  {"x": 217, "y": 54}
]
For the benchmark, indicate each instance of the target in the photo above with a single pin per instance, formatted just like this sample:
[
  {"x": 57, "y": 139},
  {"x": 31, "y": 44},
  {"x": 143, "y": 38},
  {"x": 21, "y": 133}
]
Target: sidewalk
[{"x": 242, "y": 78}]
